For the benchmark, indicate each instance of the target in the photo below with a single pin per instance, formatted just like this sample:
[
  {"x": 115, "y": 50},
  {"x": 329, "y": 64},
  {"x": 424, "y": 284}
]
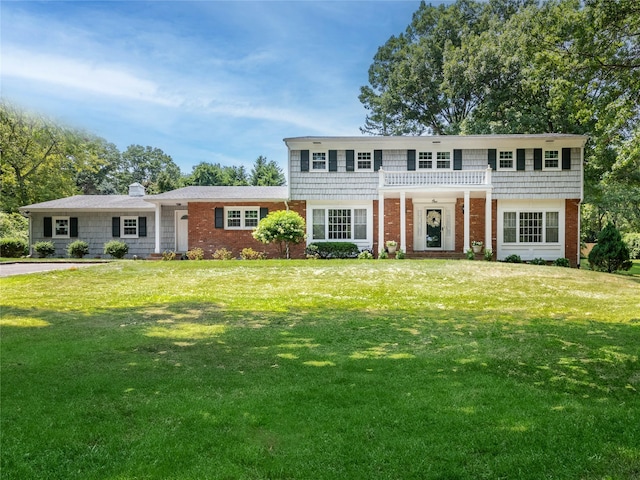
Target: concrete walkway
[{"x": 9, "y": 269}]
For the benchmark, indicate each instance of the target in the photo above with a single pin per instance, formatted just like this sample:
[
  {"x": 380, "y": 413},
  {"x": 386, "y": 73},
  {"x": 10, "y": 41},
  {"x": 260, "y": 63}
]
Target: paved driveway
[{"x": 8, "y": 269}]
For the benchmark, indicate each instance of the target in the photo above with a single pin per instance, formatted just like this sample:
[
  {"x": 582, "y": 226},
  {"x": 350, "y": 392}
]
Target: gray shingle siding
[
  {"x": 95, "y": 229},
  {"x": 507, "y": 184}
]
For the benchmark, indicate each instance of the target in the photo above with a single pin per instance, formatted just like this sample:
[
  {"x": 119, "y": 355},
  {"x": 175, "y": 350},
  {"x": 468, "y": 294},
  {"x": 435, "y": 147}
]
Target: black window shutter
[
  {"x": 350, "y": 161},
  {"x": 520, "y": 162},
  {"x": 264, "y": 211},
  {"x": 491, "y": 158},
  {"x": 73, "y": 227},
  {"x": 142, "y": 226},
  {"x": 304, "y": 162},
  {"x": 115, "y": 226},
  {"x": 220, "y": 215},
  {"x": 333, "y": 160},
  {"x": 411, "y": 159},
  {"x": 566, "y": 159},
  {"x": 457, "y": 159},
  {"x": 48, "y": 227},
  {"x": 537, "y": 159},
  {"x": 377, "y": 160}
]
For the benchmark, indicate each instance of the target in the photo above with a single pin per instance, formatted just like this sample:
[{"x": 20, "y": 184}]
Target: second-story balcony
[{"x": 444, "y": 178}]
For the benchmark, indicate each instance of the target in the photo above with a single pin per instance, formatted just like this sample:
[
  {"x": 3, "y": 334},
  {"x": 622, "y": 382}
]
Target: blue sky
[{"x": 214, "y": 81}]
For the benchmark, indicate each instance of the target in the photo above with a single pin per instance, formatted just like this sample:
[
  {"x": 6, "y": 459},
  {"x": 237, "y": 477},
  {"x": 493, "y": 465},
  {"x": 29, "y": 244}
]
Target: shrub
[
  {"x": 383, "y": 255},
  {"x": 251, "y": 254},
  {"x": 328, "y": 250},
  {"x": 13, "y": 247},
  {"x": 311, "y": 252},
  {"x": 223, "y": 254},
  {"x": 400, "y": 255},
  {"x": 632, "y": 240},
  {"x": 44, "y": 249},
  {"x": 488, "y": 254},
  {"x": 610, "y": 254},
  {"x": 470, "y": 254},
  {"x": 538, "y": 261},
  {"x": 195, "y": 254},
  {"x": 78, "y": 249},
  {"x": 116, "y": 249},
  {"x": 365, "y": 255},
  {"x": 168, "y": 255},
  {"x": 562, "y": 262},
  {"x": 513, "y": 259},
  {"x": 281, "y": 227}
]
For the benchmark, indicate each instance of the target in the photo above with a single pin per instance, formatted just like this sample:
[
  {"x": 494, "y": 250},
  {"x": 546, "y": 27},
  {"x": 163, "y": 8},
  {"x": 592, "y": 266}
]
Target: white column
[
  {"x": 403, "y": 222},
  {"x": 157, "y": 230},
  {"x": 488, "y": 226},
  {"x": 380, "y": 221},
  {"x": 467, "y": 216}
]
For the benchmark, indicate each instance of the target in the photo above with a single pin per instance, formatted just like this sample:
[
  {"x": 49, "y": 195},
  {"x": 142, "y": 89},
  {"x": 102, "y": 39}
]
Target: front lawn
[{"x": 320, "y": 370}]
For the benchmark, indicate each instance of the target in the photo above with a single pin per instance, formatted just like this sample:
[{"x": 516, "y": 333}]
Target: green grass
[{"x": 320, "y": 370}]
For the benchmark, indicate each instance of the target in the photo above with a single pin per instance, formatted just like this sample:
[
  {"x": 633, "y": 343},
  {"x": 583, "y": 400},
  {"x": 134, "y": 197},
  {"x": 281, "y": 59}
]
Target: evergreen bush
[
  {"x": 223, "y": 254},
  {"x": 116, "y": 249},
  {"x": 13, "y": 247},
  {"x": 513, "y": 259},
  {"x": 610, "y": 254},
  {"x": 44, "y": 249},
  {"x": 562, "y": 262},
  {"x": 328, "y": 250},
  {"x": 195, "y": 254},
  {"x": 538, "y": 261},
  {"x": 78, "y": 249},
  {"x": 251, "y": 254}
]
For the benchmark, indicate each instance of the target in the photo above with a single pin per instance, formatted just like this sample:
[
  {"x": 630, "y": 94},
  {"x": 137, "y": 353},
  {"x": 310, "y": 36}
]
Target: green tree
[
  {"x": 282, "y": 227},
  {"x": 34, "y": 165},
  {"x": 266, "y": 173},
  {"x": 150, "y": 167},
  {"x": 610, "y": 254}
]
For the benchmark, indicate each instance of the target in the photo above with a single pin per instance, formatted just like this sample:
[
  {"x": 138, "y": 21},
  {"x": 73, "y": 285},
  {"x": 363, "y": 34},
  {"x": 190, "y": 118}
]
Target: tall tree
[
  {"x": 150, "y": 167},
  {"x": 266, "y": 173},
  {"x": 34, "y": 164}
]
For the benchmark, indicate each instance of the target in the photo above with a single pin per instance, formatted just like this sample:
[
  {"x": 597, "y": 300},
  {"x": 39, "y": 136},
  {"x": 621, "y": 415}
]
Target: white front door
[
  {"x": 433, "y": 226},
  {"x": 182, "y": 230}
]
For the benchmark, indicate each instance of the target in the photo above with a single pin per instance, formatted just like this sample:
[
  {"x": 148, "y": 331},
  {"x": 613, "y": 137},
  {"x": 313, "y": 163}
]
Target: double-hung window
[
  {"x": 551, "y": 160},
  {"x": 531, "y": 227},
  {"x": 425, "y": 160},
  {"x": 129, "y": 227},
  {"x": 443, "y": 160},
  {"x": 319, "y": 160},
  {"x": 339, "y": 223},
  {"x": 61, "y": 227},
  {"x": 505, "y": 160},
  {"x": 241, "y": 218},
  {"x": 364, "y": 161}
]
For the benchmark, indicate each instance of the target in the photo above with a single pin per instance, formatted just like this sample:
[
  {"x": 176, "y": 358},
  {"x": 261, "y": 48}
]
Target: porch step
[{"x": 437, "y": 255}]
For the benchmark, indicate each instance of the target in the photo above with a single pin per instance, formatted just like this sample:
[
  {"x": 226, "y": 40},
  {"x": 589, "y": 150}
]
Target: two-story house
[{"x": 518, "y": 194}]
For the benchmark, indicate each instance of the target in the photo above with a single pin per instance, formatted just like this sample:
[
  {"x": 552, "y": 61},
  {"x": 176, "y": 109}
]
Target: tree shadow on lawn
[
  {"x": 586, "y": 357},
  {"x": 294, "y": 380}
]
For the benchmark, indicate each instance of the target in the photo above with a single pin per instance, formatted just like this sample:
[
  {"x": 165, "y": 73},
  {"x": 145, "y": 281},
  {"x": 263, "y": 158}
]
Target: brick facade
[
  {"x": 204, "y": 235},
  {"x": 572, "y": 230}
]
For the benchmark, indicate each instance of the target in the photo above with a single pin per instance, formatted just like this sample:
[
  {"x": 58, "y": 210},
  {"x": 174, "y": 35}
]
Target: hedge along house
[
  {"x": 435, "y": 195},
  {"x": 95, "y": 219},
  {"x": 212, "y": 218}
]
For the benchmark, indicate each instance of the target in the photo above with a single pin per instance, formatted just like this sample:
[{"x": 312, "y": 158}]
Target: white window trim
[
  {"x": 544, "y": 161},
  {"x": 53, "y": 227},
  {"x": 432, "y": 160},
  {"x": 122, "y": 220},
  {"x": 513, "y": 161},
  {"x": 544, "y": 212},
  {"x": 357, "y": 168},
  {"x": 242, "y": 210},
  {"x": 361, "y": 242},
  {"x": 436, "y": 160},
  {"x": 326, "y": 161}
]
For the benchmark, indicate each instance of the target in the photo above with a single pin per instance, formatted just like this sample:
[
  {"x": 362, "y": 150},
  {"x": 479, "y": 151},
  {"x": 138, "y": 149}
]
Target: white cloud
[{"x": 77, "y": 74}]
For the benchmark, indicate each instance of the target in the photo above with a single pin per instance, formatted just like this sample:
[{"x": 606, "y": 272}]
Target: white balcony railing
[{"x": 442, "y": 177}]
